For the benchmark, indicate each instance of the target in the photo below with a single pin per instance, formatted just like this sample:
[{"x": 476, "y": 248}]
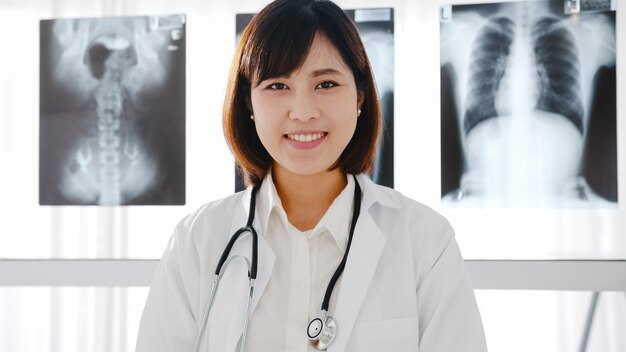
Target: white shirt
[{"x": 305, "y": 263}]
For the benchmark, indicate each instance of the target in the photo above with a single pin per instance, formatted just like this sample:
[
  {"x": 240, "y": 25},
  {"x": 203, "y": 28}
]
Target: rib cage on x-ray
[
  {"x": 519, "y": 70},
  {"x": 492, "y": 47},
  {"x": 558, "y": 67}
]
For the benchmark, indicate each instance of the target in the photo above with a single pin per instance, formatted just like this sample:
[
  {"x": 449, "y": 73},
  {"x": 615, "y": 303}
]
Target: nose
[{"x": 304, "y": 107}]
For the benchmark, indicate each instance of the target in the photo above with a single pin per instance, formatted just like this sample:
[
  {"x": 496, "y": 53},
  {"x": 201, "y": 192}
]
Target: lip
[{"x": 297, "y": 144}]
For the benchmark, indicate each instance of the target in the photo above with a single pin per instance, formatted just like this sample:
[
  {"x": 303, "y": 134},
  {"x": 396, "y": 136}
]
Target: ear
[
  {"x": 248, "y": 102},
  {"x": 360, "y": 98}
]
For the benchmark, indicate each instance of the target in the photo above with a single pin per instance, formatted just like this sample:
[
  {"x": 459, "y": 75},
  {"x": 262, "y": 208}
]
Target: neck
[{"x": 306, "y": 198}]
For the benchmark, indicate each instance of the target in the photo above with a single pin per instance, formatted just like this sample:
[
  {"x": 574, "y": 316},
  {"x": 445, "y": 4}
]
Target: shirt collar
[
  {"x": 268, "y": 201},
  {"x": 338, "y": 216},
  {"x": 336, "y": 220}
]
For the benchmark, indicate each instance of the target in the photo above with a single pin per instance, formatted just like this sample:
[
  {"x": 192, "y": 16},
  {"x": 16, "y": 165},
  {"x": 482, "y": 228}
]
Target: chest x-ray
[
  {"x": 376, "y": 28},
  {"x": 528, "y": 106},
  {"x": 112, "y": 113}
]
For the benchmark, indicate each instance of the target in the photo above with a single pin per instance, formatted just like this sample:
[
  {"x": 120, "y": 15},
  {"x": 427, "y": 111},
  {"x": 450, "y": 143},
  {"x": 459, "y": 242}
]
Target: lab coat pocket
[{"x": 396, "y": 335}]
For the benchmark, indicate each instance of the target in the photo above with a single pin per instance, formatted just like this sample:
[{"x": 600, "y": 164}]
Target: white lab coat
[{"x": 405, "y": 286}]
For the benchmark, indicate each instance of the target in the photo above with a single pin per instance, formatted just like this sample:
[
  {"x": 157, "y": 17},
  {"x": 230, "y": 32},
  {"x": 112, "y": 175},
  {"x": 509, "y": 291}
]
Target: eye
[
  {"x": 326, "y": 85},
  {"x": 277, "y": 86}
]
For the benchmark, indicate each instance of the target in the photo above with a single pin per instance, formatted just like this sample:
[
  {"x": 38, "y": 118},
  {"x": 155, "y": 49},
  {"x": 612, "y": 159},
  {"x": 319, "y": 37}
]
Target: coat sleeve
[
  {"x": 168, "y": 322},
  {"x": 448, "y": 314}
]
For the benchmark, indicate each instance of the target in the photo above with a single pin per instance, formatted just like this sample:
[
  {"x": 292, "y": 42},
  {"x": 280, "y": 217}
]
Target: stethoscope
[{"x": 321, "y": 330}]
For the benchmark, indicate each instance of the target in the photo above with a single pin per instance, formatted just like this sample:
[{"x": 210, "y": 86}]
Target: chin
[{"x": 307, "y": 170}]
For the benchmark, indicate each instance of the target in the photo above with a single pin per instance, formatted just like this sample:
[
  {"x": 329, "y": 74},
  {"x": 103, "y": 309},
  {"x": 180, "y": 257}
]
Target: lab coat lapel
[
  {"x": 367, "y": 246},
  {"x": 229, "y": 309}
]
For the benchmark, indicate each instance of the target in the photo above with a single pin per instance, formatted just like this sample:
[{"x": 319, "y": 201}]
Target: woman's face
[{"x": 306, "y": 119}]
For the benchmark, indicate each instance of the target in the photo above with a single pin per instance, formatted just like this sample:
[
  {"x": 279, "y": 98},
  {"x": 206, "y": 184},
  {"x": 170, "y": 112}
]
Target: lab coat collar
[
  {"x": 372, "y": 193},
  {"x": 367, "y": 246},
  {"x": 336, "y": 220}
]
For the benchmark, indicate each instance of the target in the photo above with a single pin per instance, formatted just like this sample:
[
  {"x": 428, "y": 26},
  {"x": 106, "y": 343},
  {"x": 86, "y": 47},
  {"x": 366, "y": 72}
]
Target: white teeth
[{"x": 305, "y": 137}]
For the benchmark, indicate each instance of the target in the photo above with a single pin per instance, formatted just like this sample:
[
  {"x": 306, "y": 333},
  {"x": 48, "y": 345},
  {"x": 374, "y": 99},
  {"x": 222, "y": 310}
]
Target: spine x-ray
[
  {"x": 376, "y": 27},
  {"x": 112, "y": 111},
  {"x": 528, "y": 106}
]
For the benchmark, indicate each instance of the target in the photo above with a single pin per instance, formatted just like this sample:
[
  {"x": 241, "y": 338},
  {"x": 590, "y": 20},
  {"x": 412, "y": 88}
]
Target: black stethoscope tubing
[
  {"x": 355, "y": 216},
  {"x": 255, "y": 246},
  {"x": 252, "y": 271},
  {"x": 255, "y": 240}
]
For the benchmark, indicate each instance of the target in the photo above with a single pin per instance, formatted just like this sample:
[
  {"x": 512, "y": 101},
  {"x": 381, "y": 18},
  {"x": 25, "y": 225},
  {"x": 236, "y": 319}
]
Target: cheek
[
  {"x": 344, "y": 110},
  {"x": 265, "y": 107},
  {"x": 268, "y": 127},
  {"x": 267, "y": 132}
]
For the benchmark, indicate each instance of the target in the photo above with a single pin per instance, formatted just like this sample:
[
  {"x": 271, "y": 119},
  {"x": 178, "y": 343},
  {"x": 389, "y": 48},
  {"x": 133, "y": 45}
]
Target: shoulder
[
  {"x": 408, "y": 223},
  {"x": 392, "y": 203},
  {"x": 214, "y": 211},
  {"x": 209, "y": 222}
]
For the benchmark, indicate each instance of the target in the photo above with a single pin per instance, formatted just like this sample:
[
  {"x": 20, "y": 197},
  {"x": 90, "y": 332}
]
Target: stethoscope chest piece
[{"x": 322, "y": 334}]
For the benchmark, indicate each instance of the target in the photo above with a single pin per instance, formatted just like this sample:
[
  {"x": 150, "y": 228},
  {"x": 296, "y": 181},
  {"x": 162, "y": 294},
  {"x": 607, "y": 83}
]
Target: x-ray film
[
  {"x": 528, "y": 106},
  {"x": 112, "y": 111},
  {"x": 376, "y": 27}
]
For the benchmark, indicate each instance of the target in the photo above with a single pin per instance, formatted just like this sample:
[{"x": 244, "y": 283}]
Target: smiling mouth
[{"x": 305, "y": 137}]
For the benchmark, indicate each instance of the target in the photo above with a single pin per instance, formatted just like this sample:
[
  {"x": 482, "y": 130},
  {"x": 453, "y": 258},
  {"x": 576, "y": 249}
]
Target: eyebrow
[
  {"x": 317, "y": 73},
  {"x": 325, "y": 71}
]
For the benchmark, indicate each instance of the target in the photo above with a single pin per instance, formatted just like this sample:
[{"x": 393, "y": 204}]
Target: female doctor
[{"x": 336, "y": 262}]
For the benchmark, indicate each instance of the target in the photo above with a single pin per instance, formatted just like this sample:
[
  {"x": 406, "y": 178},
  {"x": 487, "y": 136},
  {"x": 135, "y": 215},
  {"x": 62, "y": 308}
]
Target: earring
[
  {"x": 358, "y": 112},
  {"x": 252, "y": 117}
]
